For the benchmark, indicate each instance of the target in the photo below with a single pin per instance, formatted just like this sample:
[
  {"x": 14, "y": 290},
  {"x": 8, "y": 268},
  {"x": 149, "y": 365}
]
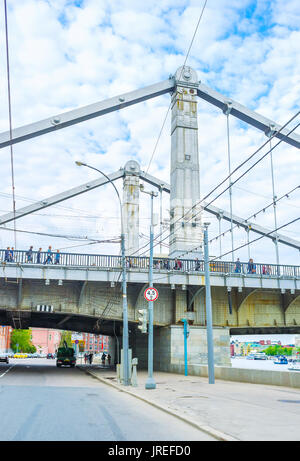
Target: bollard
[
  {"x": 134, "y": 363},
  {"x": 118, "y": 373}
]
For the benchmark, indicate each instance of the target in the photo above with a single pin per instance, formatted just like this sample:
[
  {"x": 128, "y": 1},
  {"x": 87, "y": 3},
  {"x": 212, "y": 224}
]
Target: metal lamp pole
[
  {"x": 124, "y": 283},
  {"x": 209, "y": 330},
  {"x": 150, "y": 382}
]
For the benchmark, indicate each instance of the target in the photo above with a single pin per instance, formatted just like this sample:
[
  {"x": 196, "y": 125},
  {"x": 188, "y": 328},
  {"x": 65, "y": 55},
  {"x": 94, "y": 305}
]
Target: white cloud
[{"x": 64, "y": 56}]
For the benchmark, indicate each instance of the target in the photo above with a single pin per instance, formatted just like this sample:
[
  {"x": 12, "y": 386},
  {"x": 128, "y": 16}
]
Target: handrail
[{"x": 142, "y": 262}]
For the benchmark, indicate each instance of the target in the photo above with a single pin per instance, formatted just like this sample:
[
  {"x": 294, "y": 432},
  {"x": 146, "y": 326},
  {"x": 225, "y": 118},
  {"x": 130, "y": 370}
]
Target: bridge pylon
[{"x": 185, "y": 220}]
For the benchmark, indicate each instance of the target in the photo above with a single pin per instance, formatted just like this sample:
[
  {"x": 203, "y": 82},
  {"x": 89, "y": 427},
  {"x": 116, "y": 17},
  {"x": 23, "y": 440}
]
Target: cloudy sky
[{"x": 65, "y": 54}]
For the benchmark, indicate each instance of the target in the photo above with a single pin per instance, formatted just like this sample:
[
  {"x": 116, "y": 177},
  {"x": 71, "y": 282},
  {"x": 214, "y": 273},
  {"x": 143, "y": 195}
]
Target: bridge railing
[{"x": 142, "y": 262}]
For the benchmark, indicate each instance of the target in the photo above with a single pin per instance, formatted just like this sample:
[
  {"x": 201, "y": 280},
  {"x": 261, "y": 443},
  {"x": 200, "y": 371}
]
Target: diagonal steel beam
[
  {"x": 60, "y": 197},
  {"x": 247, "y": 115},
  {"x": 160, "y": 185},
  {"x": 245, "y": 224},
  {"x": 82, "y": 114}
]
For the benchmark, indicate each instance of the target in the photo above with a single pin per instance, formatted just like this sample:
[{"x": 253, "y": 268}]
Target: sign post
[{"x": 151, "y": 294}]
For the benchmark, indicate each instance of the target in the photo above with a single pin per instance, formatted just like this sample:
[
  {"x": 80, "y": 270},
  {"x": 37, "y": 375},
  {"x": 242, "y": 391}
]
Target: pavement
[{"x": 229, "y": 411}]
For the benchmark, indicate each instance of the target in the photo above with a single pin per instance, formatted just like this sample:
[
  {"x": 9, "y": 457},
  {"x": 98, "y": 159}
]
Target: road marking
[{"x": 1, "y": 376}]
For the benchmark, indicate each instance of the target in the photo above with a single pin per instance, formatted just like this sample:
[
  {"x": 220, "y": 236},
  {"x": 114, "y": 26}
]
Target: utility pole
[
  {"x": 150, "y": 383},
  {"x": 209, "y": 330},
  {"x": 124, "y": 283},
  {"x": 185, "y": 335}
]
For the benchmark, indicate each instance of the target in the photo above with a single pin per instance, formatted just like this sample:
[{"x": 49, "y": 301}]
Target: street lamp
[
  {"x": 150, "y": 382},
  {"x": 209, "y": 329},
  {"x": 124, "y": 283}
]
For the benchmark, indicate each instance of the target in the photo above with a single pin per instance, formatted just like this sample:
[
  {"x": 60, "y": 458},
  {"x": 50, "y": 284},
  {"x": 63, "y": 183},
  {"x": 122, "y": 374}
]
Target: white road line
[{"x": 1, "y": 376}]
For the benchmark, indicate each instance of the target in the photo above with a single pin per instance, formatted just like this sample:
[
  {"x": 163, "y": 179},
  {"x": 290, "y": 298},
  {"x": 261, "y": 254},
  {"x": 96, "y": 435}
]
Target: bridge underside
[
  {"x": 23, "y": 319},
  {"x": 96, "y": 307}
]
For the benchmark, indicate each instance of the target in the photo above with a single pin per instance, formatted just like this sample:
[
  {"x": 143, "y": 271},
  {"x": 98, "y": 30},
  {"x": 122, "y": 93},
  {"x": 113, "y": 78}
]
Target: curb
[{"x": 218, "y": 435}]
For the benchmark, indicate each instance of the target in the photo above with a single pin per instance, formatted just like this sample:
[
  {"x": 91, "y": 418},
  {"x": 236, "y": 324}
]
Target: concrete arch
[
  {"x": 242, "y": 296},
  {"x": 261, "y": 308},
  {"x": 292, "y": 313}
]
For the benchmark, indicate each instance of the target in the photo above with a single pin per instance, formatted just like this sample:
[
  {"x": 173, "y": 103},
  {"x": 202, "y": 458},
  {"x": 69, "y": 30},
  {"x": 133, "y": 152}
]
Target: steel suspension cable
[
  {"x": 260, "y": 237},
  {"x": 256, "y": 213},
  {"x": 10, "y": 120},
  {"x": 236, "y": 169},
  {"x": 230, "y": 186},
  {"x": 185, "y": 60}
]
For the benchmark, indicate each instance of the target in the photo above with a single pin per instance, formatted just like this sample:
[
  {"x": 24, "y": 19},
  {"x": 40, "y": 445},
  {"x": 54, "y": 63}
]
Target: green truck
[{"x": 65, "y": 356}]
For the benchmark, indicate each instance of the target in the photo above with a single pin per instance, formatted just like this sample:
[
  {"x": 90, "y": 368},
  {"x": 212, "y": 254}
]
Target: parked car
[
  {"x": 4, "y": 358},
  {"x": 50, "y": 356}
]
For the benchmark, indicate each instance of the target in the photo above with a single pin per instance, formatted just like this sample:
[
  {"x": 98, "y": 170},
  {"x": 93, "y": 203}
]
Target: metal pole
[
  {"x": 220, "y": 236},
  {"x": 150, "y": 382},
  {"x": 230, "y": 188},
  {"x": 210, "y": 343},
  {"x": 248, "y": 230},
  {"x": 125, "y": 315},
  {"x": 160, "y": 212},
  {"x": 185, "y": 333},
  {"x": 124, "y": 284},
  {"x": 274, "y": 208}
]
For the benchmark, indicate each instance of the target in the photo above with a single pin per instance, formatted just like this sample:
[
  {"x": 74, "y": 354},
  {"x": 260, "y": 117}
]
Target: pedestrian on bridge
[
  {"x": 178, "y": 264},
  {"x": 238, "y": 266},
  {"x": 12, "y": 254},
  {"x": 167, "y": 264},
  {"x": 251, "y": 267},
  {"x": 57, "y": 257},
  {"x": 49, "y": 255},
  {"x": 38, "y": 256},
  {"x": 197, "y": 264},
  {"x": 7, "y": 255},
  {"x": 29, "y": 254}
]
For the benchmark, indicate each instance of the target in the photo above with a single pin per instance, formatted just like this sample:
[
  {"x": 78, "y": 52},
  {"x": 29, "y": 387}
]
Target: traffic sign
[{"x": 151, "y": 294}]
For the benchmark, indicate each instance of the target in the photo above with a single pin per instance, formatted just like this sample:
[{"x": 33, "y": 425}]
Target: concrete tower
[
  {"x": 131, "y": 194},
  {"x": 185, "y": 223}
]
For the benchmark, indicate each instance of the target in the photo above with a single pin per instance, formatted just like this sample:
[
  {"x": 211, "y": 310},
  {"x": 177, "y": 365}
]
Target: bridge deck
[{"x": 103, "y": 268}]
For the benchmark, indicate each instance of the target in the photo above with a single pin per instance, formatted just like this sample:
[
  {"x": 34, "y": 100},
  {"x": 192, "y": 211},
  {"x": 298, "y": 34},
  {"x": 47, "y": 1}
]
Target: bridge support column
[
  {"x": 169, "y": 349},
  {"x": 185, "y": 223},
  {"x": 131, "y": 207}
]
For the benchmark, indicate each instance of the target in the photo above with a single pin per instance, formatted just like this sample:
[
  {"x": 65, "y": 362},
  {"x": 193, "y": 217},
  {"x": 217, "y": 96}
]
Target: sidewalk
[{"x": 227, "y": 410}]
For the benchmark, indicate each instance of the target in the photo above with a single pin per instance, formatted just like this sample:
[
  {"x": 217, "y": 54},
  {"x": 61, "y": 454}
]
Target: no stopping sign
[{"x": 151, "y": 294}]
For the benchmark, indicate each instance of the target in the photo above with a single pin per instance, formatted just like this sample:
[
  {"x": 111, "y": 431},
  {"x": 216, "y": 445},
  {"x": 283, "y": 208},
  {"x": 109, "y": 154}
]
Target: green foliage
[
  {"x": 278, "y": 350},
  {"x": 66, "y": 336},
  {"x": 23, "y": 339}
]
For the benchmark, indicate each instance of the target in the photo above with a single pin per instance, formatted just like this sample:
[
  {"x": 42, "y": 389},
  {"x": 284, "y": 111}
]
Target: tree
[
  {"x": 278, "y": 350},
  {"x": 66, "y": 336},
  {"x": 20, "y": 341}
]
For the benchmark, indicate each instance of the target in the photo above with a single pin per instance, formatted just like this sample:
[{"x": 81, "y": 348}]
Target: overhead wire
[
  {"x": 262, "y": 210},
  {"x": 169, "y": 107},
  {"x": 258, "y": 238},
  {"x": 243, "y": 174},
  {"x": 67, "y": 237},
  {"x": 234, "y": 171}
]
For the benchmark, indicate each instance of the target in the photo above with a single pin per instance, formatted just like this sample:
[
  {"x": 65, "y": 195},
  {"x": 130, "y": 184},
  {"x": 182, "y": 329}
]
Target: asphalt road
[{"x": 40, "y": 402}]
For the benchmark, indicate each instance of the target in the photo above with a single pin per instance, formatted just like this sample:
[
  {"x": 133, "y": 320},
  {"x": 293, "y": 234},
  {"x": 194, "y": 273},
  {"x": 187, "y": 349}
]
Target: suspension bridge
[{"x": 82, "y": 292}]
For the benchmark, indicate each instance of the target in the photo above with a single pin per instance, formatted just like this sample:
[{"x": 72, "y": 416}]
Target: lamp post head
[{"x": 79, "y": 163}]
